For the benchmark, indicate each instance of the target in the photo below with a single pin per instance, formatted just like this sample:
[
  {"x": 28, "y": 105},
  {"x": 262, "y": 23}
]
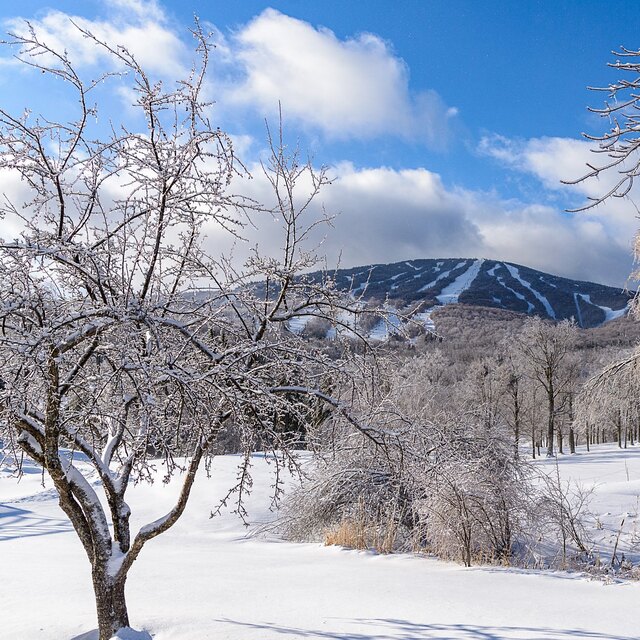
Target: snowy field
[{"x": 212, "y": 578}]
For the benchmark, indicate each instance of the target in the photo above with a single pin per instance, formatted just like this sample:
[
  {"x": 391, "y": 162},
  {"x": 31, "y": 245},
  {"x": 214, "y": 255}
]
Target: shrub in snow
[
  {"x": 476, "y": 496},
  {"x": 447, "y": 479},
  {"x": 354, "y": 497},
  {"x": 564, "y": 511}
]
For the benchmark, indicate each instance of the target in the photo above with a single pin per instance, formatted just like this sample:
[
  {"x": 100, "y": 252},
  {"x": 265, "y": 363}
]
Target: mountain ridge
[{"x": 483, "y": 282}]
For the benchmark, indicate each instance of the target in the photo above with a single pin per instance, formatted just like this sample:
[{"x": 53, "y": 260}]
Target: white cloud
[
  {"x": 551, "y": 160},
  {"x": 545, "y": 238},
  {"x": 13, "y": 191},
  {"x": 349, "y": 88},
  {"x": 386, "y": 215},
  {"x": 149, "y": 9},
  {"x": 138, "y": 25},
  {"x": 359, "y": 88}
]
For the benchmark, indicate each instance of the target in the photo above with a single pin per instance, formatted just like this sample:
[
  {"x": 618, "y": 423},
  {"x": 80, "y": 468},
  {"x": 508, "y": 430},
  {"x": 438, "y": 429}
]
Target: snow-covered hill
[
  {"x": 212, "y": 579},
  {"x": 486, "y": 283}
]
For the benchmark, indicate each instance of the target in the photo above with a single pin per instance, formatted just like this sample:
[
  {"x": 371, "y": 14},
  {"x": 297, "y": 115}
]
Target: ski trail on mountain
[
  {"x": 451, "y": 293},
  {"x": 527, "y": 285}
]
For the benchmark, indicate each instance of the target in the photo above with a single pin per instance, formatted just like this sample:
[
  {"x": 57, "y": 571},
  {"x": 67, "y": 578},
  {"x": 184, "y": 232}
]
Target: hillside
[
  {"x": 480, "y": 329},
  {"x": 486, "y": 283}
]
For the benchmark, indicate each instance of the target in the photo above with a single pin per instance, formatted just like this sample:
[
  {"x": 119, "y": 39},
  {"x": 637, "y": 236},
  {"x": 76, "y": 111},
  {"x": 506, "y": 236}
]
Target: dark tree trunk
[
  {"x": 514, "y": 388},
  {"x": 572, "y": 435},
  {"x": 110, "y": 603},
  {"x": 550, "y": 425},
  {"x": 533, "y": 444},
  {"x": 588, "y": 437},
  {"x": 560, "y": 437},
  {"x": 619, "y": 428}
]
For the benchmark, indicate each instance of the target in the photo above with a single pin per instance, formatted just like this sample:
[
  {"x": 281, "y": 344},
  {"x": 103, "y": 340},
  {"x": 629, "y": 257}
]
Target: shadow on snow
[
  {"x": 21, "y": 523},
  {"x": 391, "y": 629}
]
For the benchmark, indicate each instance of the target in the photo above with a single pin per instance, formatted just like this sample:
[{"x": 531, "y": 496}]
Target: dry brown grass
[
  {"x": 357, "y": 533},
  {"x": 385, "y": 537},
  {"x": 348, "y": 533}
]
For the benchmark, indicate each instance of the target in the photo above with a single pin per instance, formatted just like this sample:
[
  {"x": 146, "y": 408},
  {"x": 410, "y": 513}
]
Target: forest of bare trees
[
  {"x": 469, "y": 409},
  {"x": 472, "y": 403}
]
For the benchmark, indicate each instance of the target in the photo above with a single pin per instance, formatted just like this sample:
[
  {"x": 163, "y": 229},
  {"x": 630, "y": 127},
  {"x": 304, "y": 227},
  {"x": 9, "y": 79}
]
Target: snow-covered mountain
[{"x": 487, "y": 283}]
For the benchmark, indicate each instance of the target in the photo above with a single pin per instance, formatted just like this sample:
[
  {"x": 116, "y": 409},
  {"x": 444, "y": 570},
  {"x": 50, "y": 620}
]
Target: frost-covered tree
[
  {"x": 620, "y": 145},
  {"x": 617, "y": 153},
  {"x": 121, "y": 340},
  {"x": 547, "y": 349},
  {"x": 515, "y": 401},
  {"x": 448, "y": 481},
  {"x": 476, "y": 498},
  {"x": 609, "y": 401},
  {"x": 482, "y": 386}
]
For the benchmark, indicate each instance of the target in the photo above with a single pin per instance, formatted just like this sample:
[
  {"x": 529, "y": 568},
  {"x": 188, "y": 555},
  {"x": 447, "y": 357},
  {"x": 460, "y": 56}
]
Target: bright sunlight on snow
[{"x": 213, "y": 578}]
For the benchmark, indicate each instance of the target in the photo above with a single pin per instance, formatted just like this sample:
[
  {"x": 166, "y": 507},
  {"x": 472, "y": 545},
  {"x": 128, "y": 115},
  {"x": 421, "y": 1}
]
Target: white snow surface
[
  {"x": 527, "y": 285},
  {"x": 212, "y": 579},
  {"x": 517, "y": 294},
  {"x": 395, "y": 277},
  {"x": 612, "y": 314},
  {"x": 425, "y": 319},
  {"x": 443, "y": 275},
  {"x": 451, "y": 293},
  {"x": 609, "y": 313},
  {"x": 578, "y": 312},
  {"x": 388, "y": 326},
  {"x": 297, "y": 325}
]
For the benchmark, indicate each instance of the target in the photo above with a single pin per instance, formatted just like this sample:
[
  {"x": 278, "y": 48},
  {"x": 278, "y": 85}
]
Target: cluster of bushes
[{"x": 445, "y": 480}]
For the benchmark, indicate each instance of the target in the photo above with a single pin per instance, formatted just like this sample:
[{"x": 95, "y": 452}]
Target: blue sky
[{"x": 449, "y": 124}]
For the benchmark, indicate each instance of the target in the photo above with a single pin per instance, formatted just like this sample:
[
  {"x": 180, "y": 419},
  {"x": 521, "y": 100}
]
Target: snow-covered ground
[
  {"x": 209, "y": 578},
  {"x": 614, "y": 476}
]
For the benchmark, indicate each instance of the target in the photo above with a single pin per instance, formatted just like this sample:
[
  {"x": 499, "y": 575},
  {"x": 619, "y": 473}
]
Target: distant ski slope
[{"x": 483, "y": 282}]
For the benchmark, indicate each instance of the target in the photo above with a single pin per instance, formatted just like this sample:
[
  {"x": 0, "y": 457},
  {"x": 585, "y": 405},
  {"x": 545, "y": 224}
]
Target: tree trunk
[
  {"x": 619, "y": 428},
  {"x": 572, "y": 440},
  {"x": 572, "y": 435},
  {"x": 551, "y": 425},
  {"x": 533, "y": 441},
  {"x": 110, "y": 603},
  {"x": 560, "y": 439},
  {"x": 516, "y": 423}
]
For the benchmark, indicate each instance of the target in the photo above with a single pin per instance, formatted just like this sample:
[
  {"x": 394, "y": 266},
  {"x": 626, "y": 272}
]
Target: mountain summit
[{"x": 487, "y": 283}]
